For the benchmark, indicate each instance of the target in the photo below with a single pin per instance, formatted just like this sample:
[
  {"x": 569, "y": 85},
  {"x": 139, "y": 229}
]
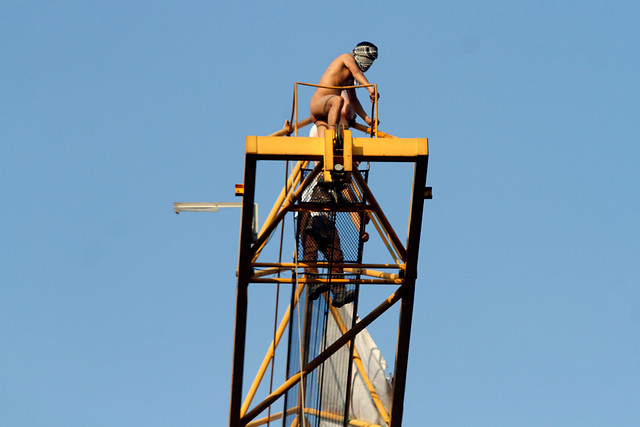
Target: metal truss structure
[{"x": 336, "y": 157}]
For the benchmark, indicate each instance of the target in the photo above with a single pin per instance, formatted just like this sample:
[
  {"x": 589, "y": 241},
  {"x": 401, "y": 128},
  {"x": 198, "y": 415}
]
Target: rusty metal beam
[
  {"x": 406, "y": 307},
  {"x": 244, "y": 276}
]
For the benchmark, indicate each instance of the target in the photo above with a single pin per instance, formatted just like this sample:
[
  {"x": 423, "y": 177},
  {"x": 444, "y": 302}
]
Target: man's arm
[
  {"x": 358, "y": 75},
  {"x": 357, "y": 107}
]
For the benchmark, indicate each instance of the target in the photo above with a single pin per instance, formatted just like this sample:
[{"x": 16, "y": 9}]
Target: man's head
[{"x": 364, "y": 54}]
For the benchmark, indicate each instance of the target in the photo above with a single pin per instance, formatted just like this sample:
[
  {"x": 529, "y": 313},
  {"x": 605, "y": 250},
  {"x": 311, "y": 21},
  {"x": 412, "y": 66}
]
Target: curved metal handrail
[{"x": 294, "y": 112}]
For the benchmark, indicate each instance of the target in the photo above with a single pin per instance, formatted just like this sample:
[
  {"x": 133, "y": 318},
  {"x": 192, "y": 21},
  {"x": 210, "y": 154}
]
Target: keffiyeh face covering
[{"x": 364, "y": 55}]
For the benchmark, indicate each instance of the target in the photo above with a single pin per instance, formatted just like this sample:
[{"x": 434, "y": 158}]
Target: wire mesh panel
[
  {"x": 294, "y": 362},
  {"x": 321, "y": 398},
  {"x": 331, "y": 226},
  {"x": 329, "y": 229},
  {"x": 347, "y": 385}
]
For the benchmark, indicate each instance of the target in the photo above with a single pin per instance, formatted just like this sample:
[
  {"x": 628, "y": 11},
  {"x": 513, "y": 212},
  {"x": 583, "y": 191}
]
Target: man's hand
[
  {"x": 372, "y": 96},
  {"x": 369, "y": 121}
]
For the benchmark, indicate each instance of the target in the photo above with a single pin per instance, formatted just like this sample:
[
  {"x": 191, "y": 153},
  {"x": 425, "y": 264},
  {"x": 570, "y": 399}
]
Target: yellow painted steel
[
  {"x": 314, "y": 148},
  {"x": 265, "y": 420},
  {"x": 362, "y": 271},
  {"x": 366, "y": 129},
  {"x": 267, "y": 272},
  {"x": 334, "y": 281},
  {"x": 397, "y": 244},
  {"x": 273, "y": 417},
  {"x": 276, "y": 207},
  {"x": 295, "y": 107},
  {"x": 372, "y": 273},
  {"x": 293, "y": 146},
  {"x": 290, "y": 199},
  {"x": 324, "y": 264},
  {"x": 310, "y": 411},
  {"x": 287, "y": 195},
  {"x": 383, "y": 235},
  {"x": 281, "y": 145},
  {"x": 332, "y": 349},
  {"x": 293, "y": 380},
  {"x": 288, "y": 129},
  {"x": 359, "y": 423},
  {"x": 270, "y": 352},
  {"x": 324, "y": 414},
  {"x": 329, "y": 136},
  {"x": 347, "y": 151},
  {"x": 390, "y": 147},
  {"x": 375, "y": 116},
  {"x": 335, "y": 87},
  {"x": 337, "y": 417}
]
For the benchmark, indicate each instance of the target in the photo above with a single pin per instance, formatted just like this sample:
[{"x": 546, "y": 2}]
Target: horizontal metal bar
[
  {"x": 307, "y": 148},
  {"x": 321, "y": 264},
  {"x": 288, "y": 129},
  {"x": 335, "y": 87},
  {"x": 324, "y": 207},
  {"x": 255, "y": 279},
  {"x": 366, "y": 129},
  {"x": 372, "y": 273},
  {"x": 348, "y": 270}
]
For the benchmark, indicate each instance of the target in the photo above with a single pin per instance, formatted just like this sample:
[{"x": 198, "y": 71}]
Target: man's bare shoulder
[
  {"x": 344, "y": 65},
  {"x": 346, "y": 58},
  {"x": 340, "y": 61},
  {"x": 336, "y": 72}
]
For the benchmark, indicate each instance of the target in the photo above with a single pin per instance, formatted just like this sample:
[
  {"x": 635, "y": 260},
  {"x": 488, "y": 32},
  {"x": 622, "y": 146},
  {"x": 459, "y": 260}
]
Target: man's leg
[
  {"x": 321, "y": 126},
  {"x": 332, "y": 251},
  {"x": 329, "y": 107},
  {"x": 309, "y": 245},
  {"x": 310, "y": 254},
  {"x": 347, "y": 115}
]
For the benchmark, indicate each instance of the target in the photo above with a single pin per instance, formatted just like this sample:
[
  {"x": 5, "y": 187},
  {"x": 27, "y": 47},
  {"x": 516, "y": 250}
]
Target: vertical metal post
[
  {"x": 375, "y": 118},
  {"x": 295, "y": 108},
  {"x": 406, "y": 307},
  {"x": 244, "y": 275}
]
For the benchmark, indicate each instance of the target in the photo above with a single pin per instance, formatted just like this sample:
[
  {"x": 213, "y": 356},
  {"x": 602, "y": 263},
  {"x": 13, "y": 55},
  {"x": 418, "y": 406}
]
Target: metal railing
[{"x": 294, "y": 112}]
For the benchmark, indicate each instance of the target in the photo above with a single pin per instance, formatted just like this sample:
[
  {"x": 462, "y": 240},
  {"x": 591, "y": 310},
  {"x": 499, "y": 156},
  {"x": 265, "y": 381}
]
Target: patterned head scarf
[{"x": 364, "y": 54}]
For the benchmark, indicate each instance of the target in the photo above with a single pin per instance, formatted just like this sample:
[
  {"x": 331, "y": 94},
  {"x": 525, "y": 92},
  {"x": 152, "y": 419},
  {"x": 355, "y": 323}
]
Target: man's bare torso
[
  {"x": 337, "y": 74},
  {"x": 327, "y": 104}
]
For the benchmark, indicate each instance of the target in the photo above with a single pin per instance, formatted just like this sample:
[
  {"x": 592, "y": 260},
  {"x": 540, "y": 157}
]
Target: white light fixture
[{"x": 215, "y": 207}]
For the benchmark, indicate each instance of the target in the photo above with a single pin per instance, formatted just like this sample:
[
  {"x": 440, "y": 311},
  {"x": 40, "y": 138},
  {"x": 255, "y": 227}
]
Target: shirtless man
[{"x": 327, "y": 104}]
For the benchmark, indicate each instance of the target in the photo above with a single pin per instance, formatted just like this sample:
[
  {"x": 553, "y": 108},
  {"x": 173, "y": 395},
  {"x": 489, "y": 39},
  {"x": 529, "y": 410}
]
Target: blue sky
[{"x": 115, "y": 311}]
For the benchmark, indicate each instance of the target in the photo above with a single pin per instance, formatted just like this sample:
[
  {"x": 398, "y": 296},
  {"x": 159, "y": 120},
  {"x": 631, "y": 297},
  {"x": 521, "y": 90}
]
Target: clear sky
[{"x": 116, "y": 312}]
